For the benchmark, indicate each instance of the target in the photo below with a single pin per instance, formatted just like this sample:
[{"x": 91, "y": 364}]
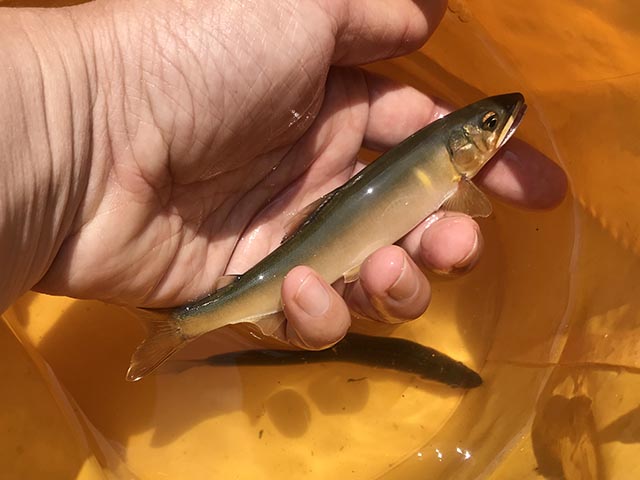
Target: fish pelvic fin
[
  {"x": 468, "y": 199},
  {"x": 164, "y": 339}
]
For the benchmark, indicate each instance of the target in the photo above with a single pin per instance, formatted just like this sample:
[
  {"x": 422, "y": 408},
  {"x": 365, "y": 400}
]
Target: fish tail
[{"x": 164, "y": 339}]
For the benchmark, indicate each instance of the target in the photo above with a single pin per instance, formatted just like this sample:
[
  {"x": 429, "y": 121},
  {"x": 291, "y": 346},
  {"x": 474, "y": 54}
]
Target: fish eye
[{"x": 490, "y": 121}]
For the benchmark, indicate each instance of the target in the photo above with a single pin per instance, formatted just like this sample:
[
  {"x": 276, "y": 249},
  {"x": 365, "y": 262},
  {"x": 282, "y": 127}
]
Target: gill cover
[{"x": 479, "y": 130}]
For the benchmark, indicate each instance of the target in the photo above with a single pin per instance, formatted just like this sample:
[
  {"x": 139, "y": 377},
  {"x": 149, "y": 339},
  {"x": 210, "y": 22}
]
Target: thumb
[{"x": 369, "y": 30}]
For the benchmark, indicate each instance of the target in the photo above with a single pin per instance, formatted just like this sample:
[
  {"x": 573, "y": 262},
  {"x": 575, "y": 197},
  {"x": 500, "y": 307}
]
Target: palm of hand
[{"x": 183, "y": 198}]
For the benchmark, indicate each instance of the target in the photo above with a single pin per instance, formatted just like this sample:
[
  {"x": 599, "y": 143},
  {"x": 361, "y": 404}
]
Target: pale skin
[{"x": 148, "y": 148}]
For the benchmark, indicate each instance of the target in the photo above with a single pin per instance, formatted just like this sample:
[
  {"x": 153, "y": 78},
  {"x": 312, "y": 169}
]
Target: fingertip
[
  {"x": 393, "y": 286},
  {"x": 317, "y": 317},
  {"x": 382, "y": 269},
  {"x": 369, "y": 31},
  {"x": 434, "y": 11},
  {"x": 451, "y": 244}
]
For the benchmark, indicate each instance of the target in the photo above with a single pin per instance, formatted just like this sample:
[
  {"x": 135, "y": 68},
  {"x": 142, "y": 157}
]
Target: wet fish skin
[{"x": 430, "y": 169}]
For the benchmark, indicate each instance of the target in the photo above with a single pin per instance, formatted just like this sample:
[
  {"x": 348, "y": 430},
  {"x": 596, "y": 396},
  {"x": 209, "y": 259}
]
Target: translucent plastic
[{"x": 550, "y": 317}]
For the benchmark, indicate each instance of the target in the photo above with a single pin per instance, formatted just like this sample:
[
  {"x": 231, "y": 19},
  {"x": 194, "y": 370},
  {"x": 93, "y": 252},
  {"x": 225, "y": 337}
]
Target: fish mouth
[{"x": 512, "y": 124}]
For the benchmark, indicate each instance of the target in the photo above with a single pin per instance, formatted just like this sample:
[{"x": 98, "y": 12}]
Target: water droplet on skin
[
  {"x": 438, "y": 114},
  {"x": 296, "y": 117}
]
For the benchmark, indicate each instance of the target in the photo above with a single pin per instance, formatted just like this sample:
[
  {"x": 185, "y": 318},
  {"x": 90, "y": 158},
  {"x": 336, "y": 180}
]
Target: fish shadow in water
[
  {"x": 564, "y": 438},
  {"x": 292, "y": 397}
]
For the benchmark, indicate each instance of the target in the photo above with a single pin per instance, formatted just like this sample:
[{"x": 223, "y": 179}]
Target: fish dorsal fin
[
  {"x": 225, "y": 280},
  {"x": 352, "y": 274},
  {"x": 468, "y": 199},
  {"x": 300, "y": 217}
]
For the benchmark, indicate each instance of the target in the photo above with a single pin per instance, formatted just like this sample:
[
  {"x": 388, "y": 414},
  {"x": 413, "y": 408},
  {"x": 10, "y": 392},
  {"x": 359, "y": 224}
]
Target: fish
[
  {"x": 430, "y": 170},
  {"x": 389, "y": 353}
]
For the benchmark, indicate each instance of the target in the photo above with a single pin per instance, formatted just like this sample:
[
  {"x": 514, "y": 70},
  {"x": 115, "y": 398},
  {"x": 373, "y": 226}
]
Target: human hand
[{"x": 213, "y": 122}]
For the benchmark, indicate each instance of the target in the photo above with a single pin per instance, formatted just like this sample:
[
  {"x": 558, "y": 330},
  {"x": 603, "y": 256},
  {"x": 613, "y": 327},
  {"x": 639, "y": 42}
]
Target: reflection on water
[
  {"x": 585, "y": 414},
  {"x": 564, "y": 438}
]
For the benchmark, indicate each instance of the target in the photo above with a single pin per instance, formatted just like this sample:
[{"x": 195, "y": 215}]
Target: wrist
[{"x": 45, "y": 141}]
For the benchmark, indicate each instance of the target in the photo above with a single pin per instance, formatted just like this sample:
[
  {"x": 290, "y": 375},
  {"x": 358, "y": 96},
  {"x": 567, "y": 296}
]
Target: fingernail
[
  {"x": 312, "y": 296},
  {"x": 467, "y": 260},
  {"x": 405, "y": 285}
]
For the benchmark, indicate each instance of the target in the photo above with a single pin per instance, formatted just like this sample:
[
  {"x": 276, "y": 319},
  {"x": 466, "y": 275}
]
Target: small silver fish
[{"x": 429, "y": 170}]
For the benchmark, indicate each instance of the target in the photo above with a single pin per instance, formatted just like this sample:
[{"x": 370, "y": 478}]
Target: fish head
[{"x": 480, "y": 129}]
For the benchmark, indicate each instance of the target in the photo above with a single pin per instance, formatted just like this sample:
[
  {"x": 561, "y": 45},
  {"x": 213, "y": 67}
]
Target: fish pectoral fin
[
  {"x": 299, "y": 218},
  {"x": 225, "y": 280},
  {"x": 352, "y": 274},
  {"x": 165, "y": 338},
  {"x": 468, "y": 199}
]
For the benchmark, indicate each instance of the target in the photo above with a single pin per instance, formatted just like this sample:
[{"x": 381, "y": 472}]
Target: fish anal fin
[
  {"x": 225, "y": 280},
  {"x": 271, "y": 324},
  {"x": 352, "y": 274},
  {"x": 301, "y": 216},
  {"x": 165, "y": 338},
  {"x": 468, "y": 199}
]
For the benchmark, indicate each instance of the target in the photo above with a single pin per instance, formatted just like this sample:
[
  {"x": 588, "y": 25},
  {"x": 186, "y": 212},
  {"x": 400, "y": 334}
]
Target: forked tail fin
[{"x": 165, "y": 338}]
